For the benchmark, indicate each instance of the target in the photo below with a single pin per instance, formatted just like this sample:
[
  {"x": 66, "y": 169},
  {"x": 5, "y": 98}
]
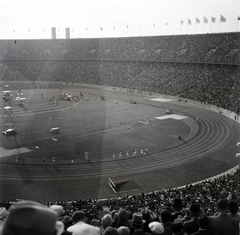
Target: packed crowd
[
  {"x": 186, "y": 206},
  {"x": 216, "y": 85},
  {"x": 207, "y": 48},
  {"x": 33, "y": 218}
]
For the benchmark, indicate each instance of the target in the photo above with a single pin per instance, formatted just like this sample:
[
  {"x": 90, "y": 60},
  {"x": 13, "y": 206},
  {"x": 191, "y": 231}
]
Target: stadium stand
[{"x": 204, "y": 68}]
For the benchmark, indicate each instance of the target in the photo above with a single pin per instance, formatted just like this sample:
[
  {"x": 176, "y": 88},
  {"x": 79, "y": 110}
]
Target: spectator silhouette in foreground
[
  {"x": 80, "y": 226},
  {"x": 123, "y": 218},
  {"x": 62, "y": 217},
  {"x": 222, "y": 223},
  {"x": 177, "y": 207},
  {"x": 110, "y": 231},
  {"x": 233, "y": 208},
  {"x": 177, "y": 228},
  {"x": 192, "y": 226},
  {"x": 123, "y": 230},
  {"x": 137, "y": 223},
  {"x": 149, "y": 217},
  {"x": 165, "y": 217},
  {"x": 31, "y": 218},
  {"x": 106, "y": 222},
  {"x": 204, "y": 228}
]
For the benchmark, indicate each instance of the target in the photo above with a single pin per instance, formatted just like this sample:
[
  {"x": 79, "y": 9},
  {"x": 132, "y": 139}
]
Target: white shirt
[{"x": 81, "y": 228}]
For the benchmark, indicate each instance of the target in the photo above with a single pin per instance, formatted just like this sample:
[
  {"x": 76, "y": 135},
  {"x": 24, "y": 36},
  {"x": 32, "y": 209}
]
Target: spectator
[
  {"x": 156, "y": 228},
  {"x": 110, "y": 231},
  {"x": 123, "y": 218},
  {"x": 80, "y": 226},
  {"x": 177, "y": 207},
  {"x": 233, "y": 208},
  {"x": 165, "y": 217},
  {"x": 177, "y": 228},
  {"x": 222, "y": 223},
  {"x": 61, "y": 217},
  {"x": 115, "y": 218},
  {"x": 31, "y": 218},
  {"x": 106, "y": 221},
  {"x": 123, "y": 230},
  {"x": 96, "y": 223},
  {"x": 204, "y": 228},
  {"x": 192, "y": 226},
  {"x": 149, "y": 217},
  {"x": 137, "y": 223},
  {"x": 185, "y": 218}
]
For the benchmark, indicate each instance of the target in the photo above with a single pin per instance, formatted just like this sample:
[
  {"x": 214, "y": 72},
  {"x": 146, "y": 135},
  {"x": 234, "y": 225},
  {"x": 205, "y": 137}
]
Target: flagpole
[
  {"x": 181, "y": 27},
  {"x": 237, "y": 24}
]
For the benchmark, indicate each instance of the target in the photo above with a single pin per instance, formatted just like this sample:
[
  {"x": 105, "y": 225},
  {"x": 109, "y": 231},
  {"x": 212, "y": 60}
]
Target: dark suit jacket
[
  {"x": 201, "y": 232},
  {"x": 191, "y": 226},
  {"x": 222, "y": 224}
]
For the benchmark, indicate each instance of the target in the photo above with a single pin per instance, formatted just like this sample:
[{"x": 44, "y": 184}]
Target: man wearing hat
[
  {"x": 137, "y": 223},
  {"x": 31, "y": 218},
  {"x": 80, "y": 227},
  {"x": 177, "y": 207},
  {"x": 192, "y": 225}
]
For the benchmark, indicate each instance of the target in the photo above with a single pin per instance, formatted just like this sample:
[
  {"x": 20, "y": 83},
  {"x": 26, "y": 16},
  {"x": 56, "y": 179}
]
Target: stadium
[{"x": 129, "y": 122}]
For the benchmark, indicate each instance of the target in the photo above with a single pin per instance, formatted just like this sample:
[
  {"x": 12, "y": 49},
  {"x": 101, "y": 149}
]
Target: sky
[{"x": 32, "y": 19}]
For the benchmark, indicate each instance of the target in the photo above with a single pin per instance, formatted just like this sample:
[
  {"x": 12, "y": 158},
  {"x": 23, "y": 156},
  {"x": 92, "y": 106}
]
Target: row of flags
[{"x": 205, "y": 20}]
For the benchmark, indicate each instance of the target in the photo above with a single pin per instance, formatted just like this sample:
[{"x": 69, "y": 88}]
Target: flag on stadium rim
[
  {"x": 101, "y": 28},
  {"x": 213, "y": 19},
  {"x": 189, "y": 21},
  {"x": 222, "y": 19},
  {"x": 205, "y": 20},
  {"x": 197, "y": 21},
  {"x": 182, "y": 21}
]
